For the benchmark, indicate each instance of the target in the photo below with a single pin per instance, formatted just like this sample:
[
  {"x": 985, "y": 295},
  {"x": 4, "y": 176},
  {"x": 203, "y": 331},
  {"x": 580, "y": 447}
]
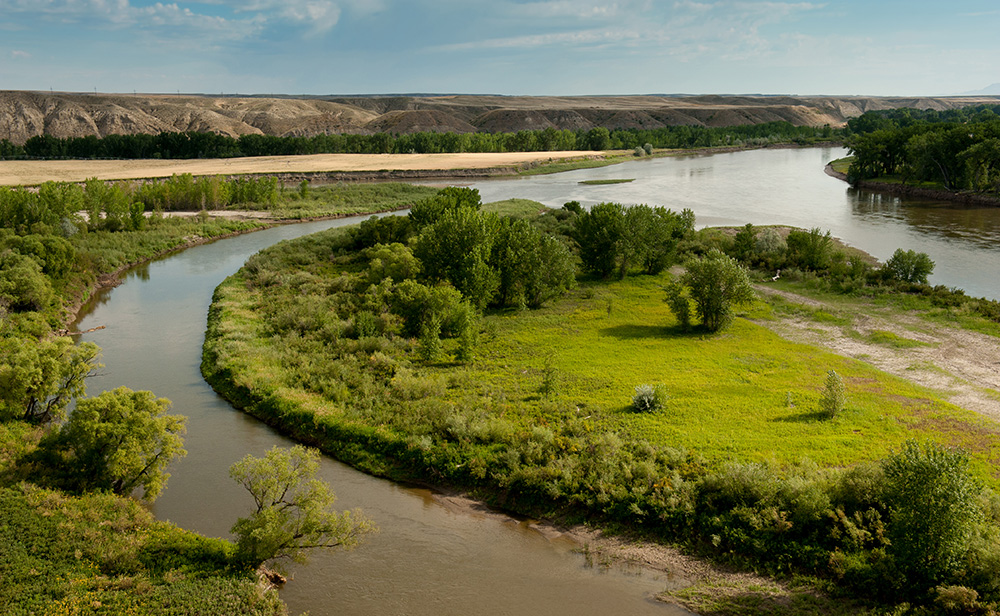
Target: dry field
[{"x": 33, "y": 172}]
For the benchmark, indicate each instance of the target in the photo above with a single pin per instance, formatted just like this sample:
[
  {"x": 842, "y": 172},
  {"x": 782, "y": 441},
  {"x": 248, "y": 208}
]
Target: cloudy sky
[{"x": 537, "y": 47}]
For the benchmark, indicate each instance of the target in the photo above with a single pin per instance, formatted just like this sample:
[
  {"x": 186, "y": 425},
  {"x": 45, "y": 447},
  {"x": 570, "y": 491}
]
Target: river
[
  {"x": 788, "y": 187},
  {"x": 430, "y": 558}
]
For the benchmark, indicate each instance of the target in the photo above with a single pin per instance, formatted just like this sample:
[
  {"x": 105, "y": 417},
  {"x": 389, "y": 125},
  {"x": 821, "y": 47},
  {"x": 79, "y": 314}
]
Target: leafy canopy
[{"x": 292, "y": 508}]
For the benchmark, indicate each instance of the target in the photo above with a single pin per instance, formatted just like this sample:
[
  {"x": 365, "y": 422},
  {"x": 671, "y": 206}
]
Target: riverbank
[{"x": 900, "y": 189}]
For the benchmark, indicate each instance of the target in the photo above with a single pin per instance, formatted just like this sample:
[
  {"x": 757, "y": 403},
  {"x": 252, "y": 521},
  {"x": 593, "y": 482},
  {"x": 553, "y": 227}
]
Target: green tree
[
  {"x": 598, "y": 233},
  {"x": 831, "y": 402},
  {"x": 292, "y": 509},
  {"x": 457, "y": 249},
  {"x": 810, "y": 249},
  {"x": 718, "y": 284},
  {"x": 120, "y": 440},
  {"x": 932, "y": 497},
  {"x": 39, "y": 379},
  {"x": 909, "y": 266}
]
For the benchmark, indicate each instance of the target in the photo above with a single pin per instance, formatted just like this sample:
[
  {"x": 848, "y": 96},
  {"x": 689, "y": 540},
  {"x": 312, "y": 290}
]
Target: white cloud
[{"x": 17, "y": 54}]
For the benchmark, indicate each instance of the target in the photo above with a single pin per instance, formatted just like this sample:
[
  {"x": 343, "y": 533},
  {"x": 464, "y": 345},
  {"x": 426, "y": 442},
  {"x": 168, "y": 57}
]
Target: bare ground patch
[{"x": 962, "y": 365}]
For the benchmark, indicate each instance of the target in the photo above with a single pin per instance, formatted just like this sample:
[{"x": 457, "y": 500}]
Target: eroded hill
[{"x": 27, "y": 114}]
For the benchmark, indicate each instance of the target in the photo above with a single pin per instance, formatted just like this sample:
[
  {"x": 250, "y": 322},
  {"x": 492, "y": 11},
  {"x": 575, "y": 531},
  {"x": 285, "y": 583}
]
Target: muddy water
[
  {"x": 788, "y": 187},
  {"x": 429, "y": 558}
]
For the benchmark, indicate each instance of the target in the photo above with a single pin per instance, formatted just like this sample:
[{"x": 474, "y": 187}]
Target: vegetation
[
  {"x": 73, "y": 542},
  {"x": 542, "y": 420},
  {"x": 212, "y": 145},
  {"x": 957, "y": 150},
  {"x": 292, "y": 513},
  {"x": 718, "y": 286}
]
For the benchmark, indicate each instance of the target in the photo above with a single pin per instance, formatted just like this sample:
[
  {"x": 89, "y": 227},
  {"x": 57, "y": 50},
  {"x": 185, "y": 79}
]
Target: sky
[{"x": 509, "y": 47}]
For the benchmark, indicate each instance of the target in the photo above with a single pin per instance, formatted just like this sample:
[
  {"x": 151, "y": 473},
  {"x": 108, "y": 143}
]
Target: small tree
[
  {"x": 119, "y": 441},
  {"x": 680, "y": 304},
  {"x": 718, "y": 284},
  {"x": 292, "y": 508},
  {"x": 831, "y": 403},
  {"x": 932, "y": 498},
  {"x": 909, "y": 266}
]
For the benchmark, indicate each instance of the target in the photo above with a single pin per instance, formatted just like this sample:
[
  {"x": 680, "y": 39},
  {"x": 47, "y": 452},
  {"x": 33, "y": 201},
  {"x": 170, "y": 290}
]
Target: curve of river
[{"x": 430, "y": 558}]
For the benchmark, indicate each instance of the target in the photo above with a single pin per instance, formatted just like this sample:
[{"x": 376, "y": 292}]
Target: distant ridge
[
  {"x": 24, "y": 115},
  {"x": 990, "y": 90}
]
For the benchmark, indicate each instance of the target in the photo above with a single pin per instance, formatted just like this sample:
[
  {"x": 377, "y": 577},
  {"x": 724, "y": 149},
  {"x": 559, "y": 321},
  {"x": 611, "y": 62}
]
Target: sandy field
[{"x": 32, "y": 172}]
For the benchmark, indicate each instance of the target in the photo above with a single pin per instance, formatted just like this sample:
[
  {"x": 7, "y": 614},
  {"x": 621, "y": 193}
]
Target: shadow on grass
[
  {"x": 803, "y": 417},
  {"x": 639, "y": 332}
]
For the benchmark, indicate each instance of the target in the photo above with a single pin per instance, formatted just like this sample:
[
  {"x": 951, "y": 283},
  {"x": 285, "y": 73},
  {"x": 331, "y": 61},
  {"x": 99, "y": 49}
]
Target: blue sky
[{"x": 553, "y": 47}]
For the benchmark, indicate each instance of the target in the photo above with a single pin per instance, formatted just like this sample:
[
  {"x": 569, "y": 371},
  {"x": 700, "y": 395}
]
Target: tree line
[
  {"x": 187, "y": 145},
  {"x": 957, "y": 150}
]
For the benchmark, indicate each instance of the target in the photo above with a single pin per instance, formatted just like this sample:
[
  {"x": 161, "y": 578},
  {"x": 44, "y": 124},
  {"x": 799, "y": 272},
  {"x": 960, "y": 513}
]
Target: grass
[
  {"x": 605, "y": 182},
  {"x": 347, "y": 199},
  {"x": 728, "y": 392},
  {"x": 893, "y": 340}
]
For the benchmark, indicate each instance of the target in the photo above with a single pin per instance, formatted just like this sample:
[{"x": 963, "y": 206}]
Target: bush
[
  {"x": 908, "y": 266},
  {"x": 649, "y": 398},
  {"x": 718, "y": 284},
  {"x": 831, "y": 403},
  {"x": 932, "y": 498}
]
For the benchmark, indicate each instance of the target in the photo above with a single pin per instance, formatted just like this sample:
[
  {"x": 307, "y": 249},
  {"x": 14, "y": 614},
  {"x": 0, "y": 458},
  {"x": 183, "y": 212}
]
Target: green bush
[{"x": 649, "y": 398}]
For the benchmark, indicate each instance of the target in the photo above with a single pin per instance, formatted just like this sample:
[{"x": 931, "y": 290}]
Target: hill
[{"x": 28, "y": 114}]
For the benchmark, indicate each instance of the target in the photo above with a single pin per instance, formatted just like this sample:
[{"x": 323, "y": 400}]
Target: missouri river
[{"x": 430, "y": 558}]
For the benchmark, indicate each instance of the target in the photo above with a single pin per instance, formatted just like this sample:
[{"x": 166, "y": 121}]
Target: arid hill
[{"x": 27, "y": 114}]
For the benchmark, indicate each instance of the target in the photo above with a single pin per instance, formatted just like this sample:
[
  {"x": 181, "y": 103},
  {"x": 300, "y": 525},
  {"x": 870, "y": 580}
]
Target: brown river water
[{"x": 430, "y": 558}]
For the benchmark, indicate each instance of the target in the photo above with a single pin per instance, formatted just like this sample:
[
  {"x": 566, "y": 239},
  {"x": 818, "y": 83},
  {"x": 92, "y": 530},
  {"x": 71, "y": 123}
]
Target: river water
[
  {"x": 430, "y": 558},
  {"x": 788, "y": 187}
]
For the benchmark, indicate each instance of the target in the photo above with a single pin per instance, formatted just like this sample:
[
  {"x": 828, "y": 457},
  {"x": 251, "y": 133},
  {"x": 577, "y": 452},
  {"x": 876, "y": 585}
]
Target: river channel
[
  {"x": 788, "y": 187},
  {"x": 431, "y": 558}
]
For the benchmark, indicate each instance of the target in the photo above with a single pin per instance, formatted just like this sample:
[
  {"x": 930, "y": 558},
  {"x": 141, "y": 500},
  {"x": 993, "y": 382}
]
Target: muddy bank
[{"x": 917, "y": 192}]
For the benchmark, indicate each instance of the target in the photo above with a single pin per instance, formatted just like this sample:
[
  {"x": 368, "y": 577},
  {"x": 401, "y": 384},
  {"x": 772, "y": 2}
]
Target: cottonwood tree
[
  {"x": 718, "y": 284},
  {"x": 39, "y": 379},
  {"x": 909, "y": 266},
  {"x": 121, "y": 440},
  {"x": 292, "y": 509}
]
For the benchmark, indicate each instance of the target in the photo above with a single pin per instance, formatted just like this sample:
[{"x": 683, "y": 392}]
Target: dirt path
[
  {"x": 32, "y": 172},
  {"x": 964, "y": 366}
]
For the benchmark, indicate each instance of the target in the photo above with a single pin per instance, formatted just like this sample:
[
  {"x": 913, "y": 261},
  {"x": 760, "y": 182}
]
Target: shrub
[
  {"x": 718, "y": 284},
  {"x": 649, "y": 398},
  {"x": 909, "y": 266},
  {"x": 932, "y": 498},
  {"x": 831, "y": 403}
]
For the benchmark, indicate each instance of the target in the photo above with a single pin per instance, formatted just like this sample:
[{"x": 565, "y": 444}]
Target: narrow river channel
[{"x": 430, "y": 558}]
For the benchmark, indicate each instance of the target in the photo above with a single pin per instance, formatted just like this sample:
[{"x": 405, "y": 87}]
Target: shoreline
[{"x": 917, "y": 192}]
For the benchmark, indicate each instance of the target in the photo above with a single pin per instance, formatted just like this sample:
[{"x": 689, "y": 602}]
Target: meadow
[{"x": 739, "y": 462}]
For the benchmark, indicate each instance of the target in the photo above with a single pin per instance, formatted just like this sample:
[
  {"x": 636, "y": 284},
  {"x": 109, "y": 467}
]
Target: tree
[
  {"x": 833, "y": 398},
  {"x": 457, "y": 248},
  {"x": 39, "y": 379},
  {"x": 718, "y": 284},
  {"x": 909, "y": 266},
  {"x": 599, "y": 233},
  {"x": 292, "y": 508},
  {"x": 809, "y": 249},
  {"x": 119, "y": 441},
  {"x": 933, "y": 513}
]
